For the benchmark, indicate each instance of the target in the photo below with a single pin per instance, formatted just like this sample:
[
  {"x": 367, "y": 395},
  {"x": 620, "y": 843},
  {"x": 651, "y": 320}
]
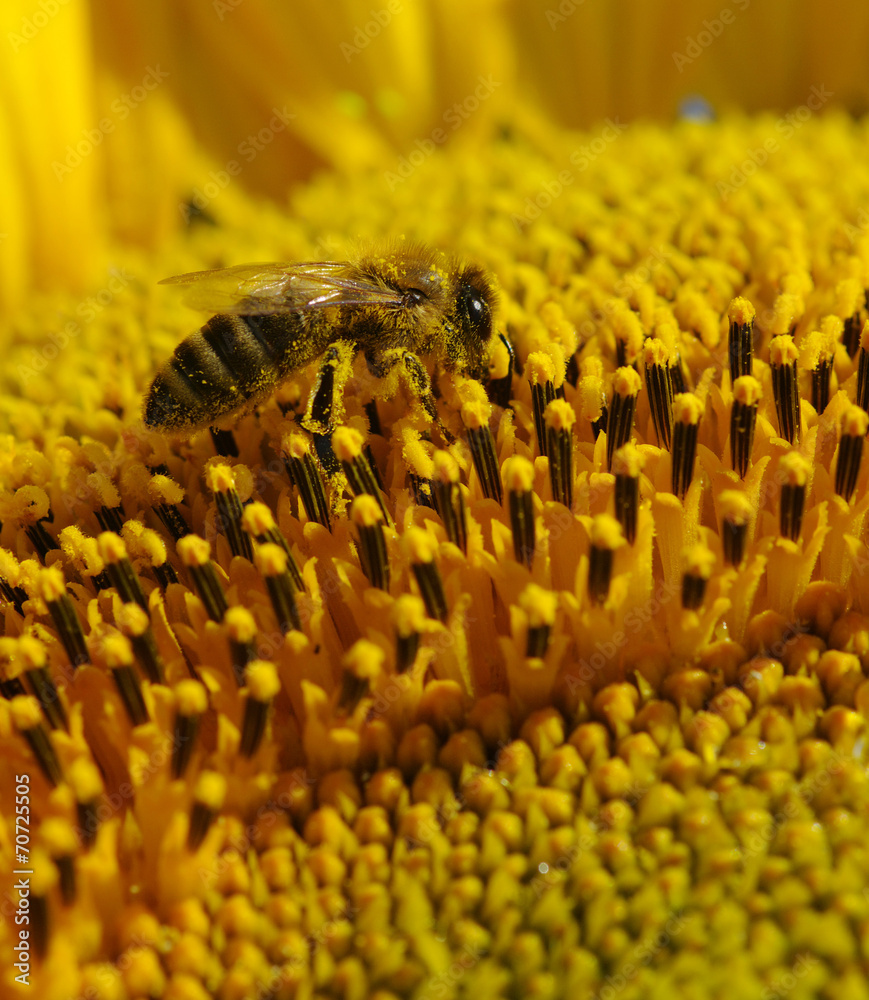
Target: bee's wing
[{"x": 265, "y": 289}]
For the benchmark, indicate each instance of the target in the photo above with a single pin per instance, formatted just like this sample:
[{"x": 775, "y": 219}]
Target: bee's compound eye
[{"x": 474, "y": 312}]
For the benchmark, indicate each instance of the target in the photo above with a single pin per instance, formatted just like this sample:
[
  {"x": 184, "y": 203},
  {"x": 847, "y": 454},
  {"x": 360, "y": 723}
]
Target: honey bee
[{"x": 271, "y": 320}]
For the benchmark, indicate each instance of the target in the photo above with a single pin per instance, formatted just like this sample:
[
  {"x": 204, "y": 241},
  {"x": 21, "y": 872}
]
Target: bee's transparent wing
[{"x": 265, "y": 289}]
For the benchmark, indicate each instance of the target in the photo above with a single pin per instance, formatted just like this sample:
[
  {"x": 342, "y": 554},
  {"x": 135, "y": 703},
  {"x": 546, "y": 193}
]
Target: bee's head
[{"x": 475, "y": 303}]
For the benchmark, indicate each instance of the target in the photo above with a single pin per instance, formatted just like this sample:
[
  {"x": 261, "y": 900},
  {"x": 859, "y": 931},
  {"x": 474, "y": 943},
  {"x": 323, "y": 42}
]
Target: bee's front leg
[
  {"x": 383, "y": 363},
  {"x": 325, "y": 408}
]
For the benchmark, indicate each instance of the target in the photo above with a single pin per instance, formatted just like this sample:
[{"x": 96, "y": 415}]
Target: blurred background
[{"x": 119, "y": 122}]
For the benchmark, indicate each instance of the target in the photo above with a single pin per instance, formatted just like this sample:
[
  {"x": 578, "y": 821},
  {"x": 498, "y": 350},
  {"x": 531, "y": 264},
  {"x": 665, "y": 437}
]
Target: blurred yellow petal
[{"x": 47, "y": 80}]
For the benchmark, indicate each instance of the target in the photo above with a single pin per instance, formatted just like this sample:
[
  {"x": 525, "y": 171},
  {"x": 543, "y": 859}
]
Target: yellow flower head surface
[{"x": 549, "y": 684}]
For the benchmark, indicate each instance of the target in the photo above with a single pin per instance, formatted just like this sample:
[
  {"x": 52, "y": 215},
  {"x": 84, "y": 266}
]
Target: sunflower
[{"x": 560, "y": 695}]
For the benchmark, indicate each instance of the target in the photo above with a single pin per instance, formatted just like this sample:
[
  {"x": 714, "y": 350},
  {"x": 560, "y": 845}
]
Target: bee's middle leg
[
  {"x": 414, "y": 371},
  {"x": 325, "y": 407}
]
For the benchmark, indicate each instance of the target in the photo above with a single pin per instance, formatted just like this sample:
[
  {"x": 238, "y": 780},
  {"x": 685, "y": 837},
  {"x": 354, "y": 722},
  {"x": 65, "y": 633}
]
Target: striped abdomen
[{"x": 229, "y": 362}]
